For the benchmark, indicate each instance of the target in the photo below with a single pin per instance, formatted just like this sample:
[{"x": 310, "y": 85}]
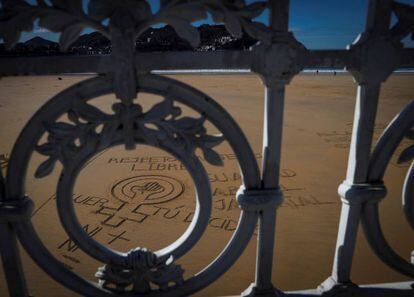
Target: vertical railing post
[
  {"x": 369, "y": 72},
  {"x": 272, "y": 145},
  {"x": 277, "y": 63},
  {"x": 12, "y": 266},
  {"x": 358, "y": 161},
  {"x": 272, "y": 140}
]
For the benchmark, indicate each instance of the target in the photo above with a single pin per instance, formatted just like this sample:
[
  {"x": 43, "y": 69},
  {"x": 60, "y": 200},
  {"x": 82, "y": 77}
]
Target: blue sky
[{"x": 318, "y": 24}]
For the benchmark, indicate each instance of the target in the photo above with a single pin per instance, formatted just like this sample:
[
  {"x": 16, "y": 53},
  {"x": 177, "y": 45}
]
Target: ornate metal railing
[{"x": 277, "y": 57}]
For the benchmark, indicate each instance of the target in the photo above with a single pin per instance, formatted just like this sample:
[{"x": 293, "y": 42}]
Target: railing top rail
[{"x": 226, "y": 60}]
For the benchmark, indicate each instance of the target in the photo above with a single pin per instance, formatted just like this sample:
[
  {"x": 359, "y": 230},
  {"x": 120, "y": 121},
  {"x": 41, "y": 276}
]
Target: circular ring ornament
[
  {"x": 163, "y": 126},
  {"x": 399, "y": 128}
]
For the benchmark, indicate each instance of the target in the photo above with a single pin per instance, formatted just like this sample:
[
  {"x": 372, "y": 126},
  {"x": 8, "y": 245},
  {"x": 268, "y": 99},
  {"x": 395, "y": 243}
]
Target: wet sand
[{"x": 317, "y": 127}]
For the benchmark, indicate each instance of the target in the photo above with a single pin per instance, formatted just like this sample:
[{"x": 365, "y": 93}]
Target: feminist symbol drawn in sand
[
  {"x": 150, "y": 187},
  {"x": 136, "y": 191}
]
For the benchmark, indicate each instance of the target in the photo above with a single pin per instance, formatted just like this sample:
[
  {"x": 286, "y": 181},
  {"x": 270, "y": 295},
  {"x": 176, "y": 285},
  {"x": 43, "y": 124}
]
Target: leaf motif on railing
[
  {"x": 185, "y": 132},
  {"x": 64, "y": 142},
  {"x": 68, "y": 17},
  {"x": 159, "y": 126},
  {"x": 103, "y": 9},
  {"x": 142, "y": 270},
  {"x": 236, "y": 16},
  {"x": 405, "y": 16},
  {"x": 15, "y": 18},
  {"x": 408, "y": 153}
]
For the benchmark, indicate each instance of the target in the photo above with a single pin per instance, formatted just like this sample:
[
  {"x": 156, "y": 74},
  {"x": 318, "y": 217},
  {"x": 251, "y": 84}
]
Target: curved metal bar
[
  {"x": 25, "y": 143},
  {"x": 220, "y": 118},
  {"x": 376, "y": 239},
  {"x": 104, "y": 254},
  {"x": 53, "y": 267},
  {"x": 408, "y": 196},
  {"x": 389, "y": 141},
  {"x": 164, "y": 87},
  {"x": 381, "y": 156},
  {"x": 225, "y": 260},
  {"x": 277, "y": 57},
  {"x": 66, "y": 277}
]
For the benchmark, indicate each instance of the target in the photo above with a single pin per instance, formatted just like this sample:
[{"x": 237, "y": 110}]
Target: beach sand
[{"x": 317, "y": 128}]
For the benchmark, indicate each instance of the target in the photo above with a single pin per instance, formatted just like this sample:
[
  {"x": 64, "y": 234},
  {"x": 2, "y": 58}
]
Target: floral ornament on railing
[
  {"x": 63, "y": 16},
  {"x": 92, "y": 129},
  {"x": 69, "y": 17},
  {"x": 123, "y": 21},
  {"x": 143, "y": 269}
]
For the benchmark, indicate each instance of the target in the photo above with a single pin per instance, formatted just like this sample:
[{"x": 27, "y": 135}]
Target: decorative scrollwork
[
  {"x": 143, "y": 268},
  {"x": 161, "y": 125},
  {"x": 71, "y": 129},
  {"x": 123, "y": 21},
  {"x": 127, "y": 20},
  {"x": 69, "y": 17},
  {"x": 63, "y": 16}
]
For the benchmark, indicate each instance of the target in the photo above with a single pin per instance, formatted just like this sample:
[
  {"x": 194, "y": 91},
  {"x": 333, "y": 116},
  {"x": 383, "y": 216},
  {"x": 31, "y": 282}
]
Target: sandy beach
[{"x": 317, "y": 131}]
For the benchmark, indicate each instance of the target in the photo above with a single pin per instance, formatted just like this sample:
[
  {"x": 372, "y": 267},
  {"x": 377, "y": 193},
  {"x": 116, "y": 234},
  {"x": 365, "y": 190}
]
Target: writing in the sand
[
  {"x": 157, "y": 195},
  {"x": 342, "y": 138},
  {"x": 113, "y": 226},
  {"x": 161, "y": 163}
]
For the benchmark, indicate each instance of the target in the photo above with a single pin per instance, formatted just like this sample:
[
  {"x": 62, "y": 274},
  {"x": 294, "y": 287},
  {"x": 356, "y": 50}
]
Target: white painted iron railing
[{"x": 276, "y": 58}]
